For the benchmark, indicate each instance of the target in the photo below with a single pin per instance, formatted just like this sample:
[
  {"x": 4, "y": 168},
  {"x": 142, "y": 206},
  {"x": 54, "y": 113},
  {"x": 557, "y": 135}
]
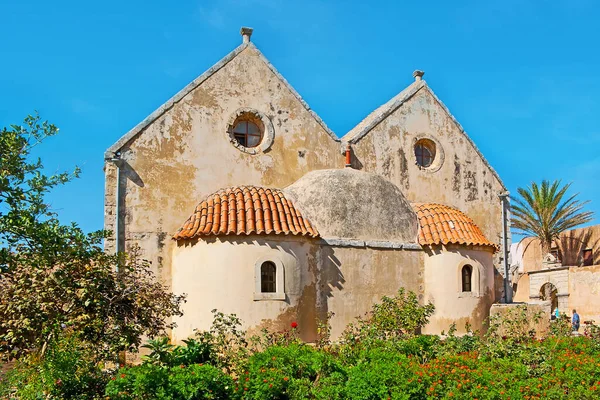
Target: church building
[{"x": 242, "y": 198}]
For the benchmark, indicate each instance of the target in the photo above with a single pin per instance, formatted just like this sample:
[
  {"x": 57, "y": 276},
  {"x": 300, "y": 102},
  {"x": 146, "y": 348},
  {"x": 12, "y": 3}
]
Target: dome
[
  {"x": 245, "y": 210},
  {"x": 441, "y": 224},
  {"x": 350, "y": 204}
]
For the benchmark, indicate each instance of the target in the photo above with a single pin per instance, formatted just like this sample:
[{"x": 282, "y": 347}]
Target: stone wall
[
  {"x": 186, "y": 154},
  {"x": 541, "y": 327},
  {"x": 584, "y": 292},
  {"x": 460, "y": 178}
]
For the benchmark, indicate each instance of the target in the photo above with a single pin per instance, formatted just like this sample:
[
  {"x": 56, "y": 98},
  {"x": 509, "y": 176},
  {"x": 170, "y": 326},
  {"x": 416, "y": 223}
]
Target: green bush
[
  {"x": 296, "y": 371},
  {"x": 67, "y": 371},
  {"x": 150, "y": 381}
]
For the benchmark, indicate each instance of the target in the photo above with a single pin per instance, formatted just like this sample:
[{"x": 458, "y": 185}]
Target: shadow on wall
[
  {"x": 573, "y": 243},
  {"x": 331, "y": 276}
]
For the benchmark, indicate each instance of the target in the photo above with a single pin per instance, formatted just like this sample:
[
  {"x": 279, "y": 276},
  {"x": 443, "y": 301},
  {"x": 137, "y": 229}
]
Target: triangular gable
[
  {"x": 382, "y": 112},
  {"x": 110, "y": 152}
]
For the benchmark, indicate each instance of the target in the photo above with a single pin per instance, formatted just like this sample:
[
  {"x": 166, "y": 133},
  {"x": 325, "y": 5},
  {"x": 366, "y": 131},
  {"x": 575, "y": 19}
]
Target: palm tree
[{"x": 542, "y": 213}]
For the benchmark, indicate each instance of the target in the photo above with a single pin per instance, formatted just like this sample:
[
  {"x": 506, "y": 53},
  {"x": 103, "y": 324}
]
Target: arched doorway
[{"x": 548, "y": 292}]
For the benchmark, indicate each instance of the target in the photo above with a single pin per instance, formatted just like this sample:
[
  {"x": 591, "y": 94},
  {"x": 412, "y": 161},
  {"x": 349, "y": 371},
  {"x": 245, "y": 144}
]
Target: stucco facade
[
  {"x": 368, "y": 244},
  {"x": 443, "y": 282}
]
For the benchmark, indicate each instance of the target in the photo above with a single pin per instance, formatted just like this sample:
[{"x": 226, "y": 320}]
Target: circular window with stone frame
[
  {"x": 250, "y": 131},
  {"x": 428, "y": 154}
]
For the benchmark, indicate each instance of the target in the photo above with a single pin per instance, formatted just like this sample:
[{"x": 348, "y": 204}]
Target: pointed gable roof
[
  {"x": 110, "y": 152},
  {"x": 383, "y": 111}
]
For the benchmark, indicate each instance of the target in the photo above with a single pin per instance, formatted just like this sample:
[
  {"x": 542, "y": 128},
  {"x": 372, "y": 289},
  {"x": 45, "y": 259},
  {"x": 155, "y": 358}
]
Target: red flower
[
  {"x": 123, "y": 376},
  {"x": 294, "y": 325}
]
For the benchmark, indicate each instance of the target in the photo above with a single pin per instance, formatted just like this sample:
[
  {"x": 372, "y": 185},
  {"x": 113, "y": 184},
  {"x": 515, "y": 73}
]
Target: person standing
[
  {"x": 556, "y": 313},
  {"x": 575, "y": 320}
]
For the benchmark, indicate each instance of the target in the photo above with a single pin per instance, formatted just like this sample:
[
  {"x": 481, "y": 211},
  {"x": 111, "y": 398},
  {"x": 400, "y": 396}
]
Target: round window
[
  {"x": 425, "y": 152},
  {"x": 250, "y": 131},
  {"x": 247, "y": 133}
]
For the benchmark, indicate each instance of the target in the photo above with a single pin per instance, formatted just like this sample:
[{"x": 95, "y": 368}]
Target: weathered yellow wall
[
  {"x": 463, "y": 180},
  {"x": 353, "y": 279},
  {"x": 584, "y": 292},
  {"x": 186, "y": 154},
  {"x": 541, "y": 326},
  {"x": 443, "y": 288},
  {"x": 570, "y": 245}
]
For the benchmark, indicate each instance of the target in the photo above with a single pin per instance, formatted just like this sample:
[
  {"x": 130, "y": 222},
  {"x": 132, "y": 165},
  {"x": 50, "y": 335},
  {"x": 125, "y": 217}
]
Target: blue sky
[{"x": 522, "y": 77}]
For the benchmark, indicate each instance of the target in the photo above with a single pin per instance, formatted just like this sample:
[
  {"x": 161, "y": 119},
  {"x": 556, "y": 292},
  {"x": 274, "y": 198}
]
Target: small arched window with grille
[
  {"x": 268, "y": 273},
  {"x": 467, "y": 273}
]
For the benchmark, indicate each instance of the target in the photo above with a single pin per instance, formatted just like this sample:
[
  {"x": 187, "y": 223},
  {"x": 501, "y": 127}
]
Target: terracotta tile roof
[
  {"x": 245, "y": 210},
  {"x": 440, "y": 224}
]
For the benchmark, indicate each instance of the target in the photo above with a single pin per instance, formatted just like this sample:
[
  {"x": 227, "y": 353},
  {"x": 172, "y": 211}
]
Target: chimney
[
  {"x": 418, "y": 75},
  {"x": 348, "y": 156},
  {"x": 246, "y": 33}
]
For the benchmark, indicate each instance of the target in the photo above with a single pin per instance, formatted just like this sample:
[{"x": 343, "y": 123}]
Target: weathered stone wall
[
  {"x": 541, "y": 327},
  {"x": 584, "y": 292},
  {"x": 443, "y": 284},
  {"x": 186, "y": 153},
  {"x": 352, "y": 279},
  {"x": 463, "y": 179}
]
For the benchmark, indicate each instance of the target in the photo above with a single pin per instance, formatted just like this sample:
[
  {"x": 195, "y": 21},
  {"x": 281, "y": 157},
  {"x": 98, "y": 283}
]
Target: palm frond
[{"x": 541, "y": 211}]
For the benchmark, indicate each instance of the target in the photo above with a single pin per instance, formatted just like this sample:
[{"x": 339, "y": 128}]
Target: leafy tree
[
  {"x": 544, "y": 212},
  {"x": 55, "y": 277}
]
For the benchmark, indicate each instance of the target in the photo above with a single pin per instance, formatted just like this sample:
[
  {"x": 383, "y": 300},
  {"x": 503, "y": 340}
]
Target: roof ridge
[
  {"x": 462, "y": 130},
  {"x": 375, "y": 117},
  {"x": 172, "y": 101},
  {"x": 132, "y": 133},
  {"x": 295, "y": 93}
]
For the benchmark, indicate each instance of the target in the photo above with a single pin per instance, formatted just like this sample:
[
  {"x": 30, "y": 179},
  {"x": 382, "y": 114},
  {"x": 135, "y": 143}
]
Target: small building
[
  {"x": 568, "y": 277},
  {"x": 242, "y": 197}
]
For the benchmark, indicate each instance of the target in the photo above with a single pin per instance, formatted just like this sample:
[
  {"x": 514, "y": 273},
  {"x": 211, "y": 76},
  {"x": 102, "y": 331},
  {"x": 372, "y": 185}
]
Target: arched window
[
  {"x": 267, "y": 277},
  {"x": 467, "y": 272}
]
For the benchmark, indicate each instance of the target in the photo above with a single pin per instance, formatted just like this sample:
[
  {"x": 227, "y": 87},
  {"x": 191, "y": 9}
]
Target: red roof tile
[
  {"x": 440, "y": 224},
  {"x": 245, "y": 210}
]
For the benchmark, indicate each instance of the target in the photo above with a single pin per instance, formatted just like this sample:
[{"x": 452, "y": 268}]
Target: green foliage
[
  {"x": 295, "y": 371},
  {"x": 150, "y": 381},
  {"x": 55, "y": 277},
  {"x": 561, "y": 327},
  {"x": 394, "y": 318},
  {"x": 110, "y": 309},
  {"x": 197, "y": 350},
  {"x": 68, "y": 371},
  {"x": 544, "y": 212}
]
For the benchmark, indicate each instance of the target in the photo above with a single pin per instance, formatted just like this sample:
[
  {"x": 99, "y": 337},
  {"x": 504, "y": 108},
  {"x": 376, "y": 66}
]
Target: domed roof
[
  {"x": 441, "y": 224},
  {"x": 245, "y": 210},
  {"x": 346, "y": 203}
]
